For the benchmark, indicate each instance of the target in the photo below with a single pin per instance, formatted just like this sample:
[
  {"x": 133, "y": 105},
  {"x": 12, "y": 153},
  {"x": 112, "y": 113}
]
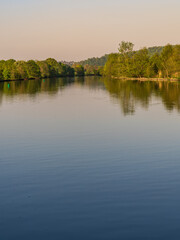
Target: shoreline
[
  {"x": 27, "y": 79},
  {"x": 114, "y": 78},
  {"x": 147, "y": 79}
]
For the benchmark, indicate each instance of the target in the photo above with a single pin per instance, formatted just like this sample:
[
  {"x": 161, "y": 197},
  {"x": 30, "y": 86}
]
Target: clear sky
[{"x": 78, "y": 29}]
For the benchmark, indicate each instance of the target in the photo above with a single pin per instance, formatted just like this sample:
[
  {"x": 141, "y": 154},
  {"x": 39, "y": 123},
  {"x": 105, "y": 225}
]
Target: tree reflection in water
[
  {"x": 128, "y": 94},
  {"x": 131, "y": 93}
]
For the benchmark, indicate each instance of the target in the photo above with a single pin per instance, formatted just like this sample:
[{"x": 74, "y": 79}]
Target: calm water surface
[{"x": 89, "y": 159}]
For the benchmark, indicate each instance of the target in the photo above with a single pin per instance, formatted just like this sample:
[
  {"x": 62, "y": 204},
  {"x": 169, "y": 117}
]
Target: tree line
[
  {"x": 101, "y": 61},
  {"x": 17, "y": 70},
  {"x": 155, "y": 62},
  {"x": 164, "y": 63}
]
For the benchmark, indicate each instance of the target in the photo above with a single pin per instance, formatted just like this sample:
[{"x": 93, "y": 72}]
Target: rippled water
[{"x": 89, "y": 158}]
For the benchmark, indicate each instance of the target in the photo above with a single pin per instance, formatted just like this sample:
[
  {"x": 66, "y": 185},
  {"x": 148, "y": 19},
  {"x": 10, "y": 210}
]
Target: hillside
[
  {"x": 102, "y": 60},
  {"x": 95, "y": 61}
]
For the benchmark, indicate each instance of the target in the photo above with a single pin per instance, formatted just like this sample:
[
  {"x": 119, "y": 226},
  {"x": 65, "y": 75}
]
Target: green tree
[
  {"x": 32, "y": 69},
  {"x": 54, "y": 67},
  {"x": 167, "y": 60},
  {"x": 140, "y": 64},
  {"x": 21, "y": 70},
  {"x": 125, "y": 48},
  {"x": 125, "y": 57},
  {"x": 69, "y": 71},
  {"x": 79, "y": 70},
  {"x": 7, "y": 69},
  {"x": 6, "y": 73},
  {"x": 112, "y": 65},
  {"x": 155, "y": 65},
  {"x": 44, "y": 69}
]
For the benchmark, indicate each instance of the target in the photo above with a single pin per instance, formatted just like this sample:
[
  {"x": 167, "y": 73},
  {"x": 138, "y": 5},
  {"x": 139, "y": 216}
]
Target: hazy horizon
[{"x": 77, "y": 30}]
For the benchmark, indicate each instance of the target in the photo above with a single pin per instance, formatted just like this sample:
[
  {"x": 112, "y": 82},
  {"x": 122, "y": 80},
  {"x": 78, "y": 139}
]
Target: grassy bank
[{"x": 143, "y": 79}]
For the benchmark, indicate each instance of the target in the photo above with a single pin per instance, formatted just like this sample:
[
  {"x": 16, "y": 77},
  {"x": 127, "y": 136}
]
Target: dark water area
[{"x": 89, "y": 158}]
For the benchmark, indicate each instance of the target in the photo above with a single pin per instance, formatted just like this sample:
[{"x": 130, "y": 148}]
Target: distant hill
[
  {"x": 100, "y": 61},
  {"x": 153, "y": 50}
]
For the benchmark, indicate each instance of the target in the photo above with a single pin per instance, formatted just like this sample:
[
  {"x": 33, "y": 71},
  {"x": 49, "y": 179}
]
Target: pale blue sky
[{"x": 78, "y": 29}]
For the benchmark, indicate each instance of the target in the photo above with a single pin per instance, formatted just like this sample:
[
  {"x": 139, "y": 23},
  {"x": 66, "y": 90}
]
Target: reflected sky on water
[{"x": 89, "y": 158}]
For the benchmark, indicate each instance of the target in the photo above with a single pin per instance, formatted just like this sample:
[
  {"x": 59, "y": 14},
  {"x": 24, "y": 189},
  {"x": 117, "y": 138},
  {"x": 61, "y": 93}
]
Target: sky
[{"x": 80, "y": 29}]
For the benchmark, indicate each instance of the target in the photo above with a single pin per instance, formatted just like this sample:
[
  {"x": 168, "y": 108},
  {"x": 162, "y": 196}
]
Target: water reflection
[
  {"x": 53, "y": 85},
  {"x": 128, "y": 94},
  {"x": 132, "y": 93}
]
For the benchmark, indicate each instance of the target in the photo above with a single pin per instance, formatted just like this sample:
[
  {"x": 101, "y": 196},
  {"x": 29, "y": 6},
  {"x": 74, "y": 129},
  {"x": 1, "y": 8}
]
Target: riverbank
[{"x": 148, "y": 79}]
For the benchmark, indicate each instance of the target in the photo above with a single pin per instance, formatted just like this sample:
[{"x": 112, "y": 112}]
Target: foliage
[
  {"x": 125, "y": 48},
  {"x": 93, "y": 70},
  {"x": 138, "y": 64},
  {"x": 152, "y": 62},
  {"x": 14, "y": 70},
  {"x": 99, "y": 62},
  {"x": 33, "y": 70},
  {"x": 79, "y": 70},
  {"x": 44, "y": 68},
  {"x": 154, "y": 50}
]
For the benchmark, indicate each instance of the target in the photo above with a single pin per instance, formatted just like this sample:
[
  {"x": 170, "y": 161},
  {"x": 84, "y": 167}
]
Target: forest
[
  {"x": 101, "y": 61},
  {"x": 144, "y": 63},
  {"x": 20, "y": 70},
  {"x": 154, "y": 62}
]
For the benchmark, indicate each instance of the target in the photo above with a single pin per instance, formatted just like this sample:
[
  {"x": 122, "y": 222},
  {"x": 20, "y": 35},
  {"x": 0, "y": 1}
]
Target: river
[{"x": 89, "y": 158}]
